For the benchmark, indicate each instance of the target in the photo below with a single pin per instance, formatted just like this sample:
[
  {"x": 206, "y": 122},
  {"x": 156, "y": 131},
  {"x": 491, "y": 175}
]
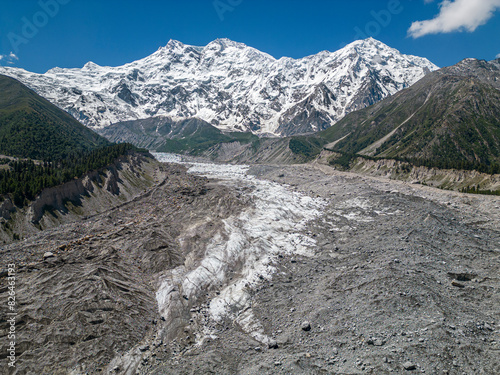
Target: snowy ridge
[{"x": 232, "y": 86}]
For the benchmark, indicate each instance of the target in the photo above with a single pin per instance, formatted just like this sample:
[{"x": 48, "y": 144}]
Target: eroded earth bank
[{"x": 264, "y": 270}]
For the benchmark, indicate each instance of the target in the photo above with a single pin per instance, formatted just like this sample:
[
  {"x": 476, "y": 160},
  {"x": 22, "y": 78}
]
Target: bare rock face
[
  {"x": 305, "y": 326},
  {"x": 56, "y": 198},
  {"x": 452, "y": 179},
  {"x": 6, "y": 208},
  {"x": 93, "y": 193}
]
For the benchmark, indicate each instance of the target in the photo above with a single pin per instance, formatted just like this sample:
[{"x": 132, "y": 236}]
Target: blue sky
[{"x": 41, "y": 34}]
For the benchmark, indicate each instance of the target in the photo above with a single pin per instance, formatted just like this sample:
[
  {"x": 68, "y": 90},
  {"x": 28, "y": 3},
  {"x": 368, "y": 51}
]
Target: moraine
[{"x": 273, "y": 225}]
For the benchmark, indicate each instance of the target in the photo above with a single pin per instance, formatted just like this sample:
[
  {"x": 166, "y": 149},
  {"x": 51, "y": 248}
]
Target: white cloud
[
  {"x": 497, "y": 56},
  {"x": 10, "y": 59},
  {"x": 457, "y": 15}
]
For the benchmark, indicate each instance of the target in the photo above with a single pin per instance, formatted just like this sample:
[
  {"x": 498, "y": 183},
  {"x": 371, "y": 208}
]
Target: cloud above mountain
[
  {"x": 458, "y": 15},
  {"x": 11, "y": 58}
]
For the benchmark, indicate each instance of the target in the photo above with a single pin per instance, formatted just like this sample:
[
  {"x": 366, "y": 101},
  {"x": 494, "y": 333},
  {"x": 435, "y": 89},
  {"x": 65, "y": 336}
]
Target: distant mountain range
[
  {"x": 365, "y": 99},
  {"x": 232, "y": 86},
  {"x": 162, "y": 133}
]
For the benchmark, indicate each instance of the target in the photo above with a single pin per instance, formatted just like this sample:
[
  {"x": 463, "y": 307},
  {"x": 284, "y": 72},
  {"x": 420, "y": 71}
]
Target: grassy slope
[
  {"x": 460, "y": 122},
  {"x": 202, "y": 139},
  {"x": 191, "y": 136},
  {"x": 442, "y": 121}
]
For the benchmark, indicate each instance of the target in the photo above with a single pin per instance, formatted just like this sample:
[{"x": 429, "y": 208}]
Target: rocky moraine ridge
[{"x": 265, "y": 270}]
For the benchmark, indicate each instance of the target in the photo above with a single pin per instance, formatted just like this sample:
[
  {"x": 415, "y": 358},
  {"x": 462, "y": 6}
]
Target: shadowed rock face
[{"x": 56, "y": 198}]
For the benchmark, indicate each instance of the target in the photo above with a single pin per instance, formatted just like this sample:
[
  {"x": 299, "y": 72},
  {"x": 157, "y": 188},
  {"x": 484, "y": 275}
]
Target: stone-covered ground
[{"x": 398, "y": 279}]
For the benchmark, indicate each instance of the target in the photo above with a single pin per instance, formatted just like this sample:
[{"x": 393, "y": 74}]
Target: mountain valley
[
  {"x": 269, "y": 270},
  {"x": 214, "y": 210}
]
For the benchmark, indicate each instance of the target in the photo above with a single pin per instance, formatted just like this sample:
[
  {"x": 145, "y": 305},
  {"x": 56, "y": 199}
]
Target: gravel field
[{"x": 265, "y": 270}]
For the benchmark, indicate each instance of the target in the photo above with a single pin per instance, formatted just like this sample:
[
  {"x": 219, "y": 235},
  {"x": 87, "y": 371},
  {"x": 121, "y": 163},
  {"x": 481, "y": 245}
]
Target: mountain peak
[
  {"x": 226, "y": 43},
  {"x": 91, "y": 66},
  {"x": 172, "y": 44},
  {"x": 368, "y": 42},
  {"x": 372, "y": 41},
  {"x": 218, "y": 44},
  {"x": 233, "y": 86},
  {"x": 472, "y": 63},
  {"x": 369, "y": 47}
]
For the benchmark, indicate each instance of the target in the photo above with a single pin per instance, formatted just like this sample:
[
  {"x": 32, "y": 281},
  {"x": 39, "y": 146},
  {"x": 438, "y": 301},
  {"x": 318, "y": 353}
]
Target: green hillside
[
  {"x": 25, "y": 179},
  {"x": 163, "y": 134},
  {"x": 32, "y": 127},
  {"x": 449, "y": 119}
]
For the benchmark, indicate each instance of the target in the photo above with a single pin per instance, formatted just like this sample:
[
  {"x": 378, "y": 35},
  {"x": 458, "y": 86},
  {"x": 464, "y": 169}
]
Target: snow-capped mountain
[{"x": 232, "y": 86}]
